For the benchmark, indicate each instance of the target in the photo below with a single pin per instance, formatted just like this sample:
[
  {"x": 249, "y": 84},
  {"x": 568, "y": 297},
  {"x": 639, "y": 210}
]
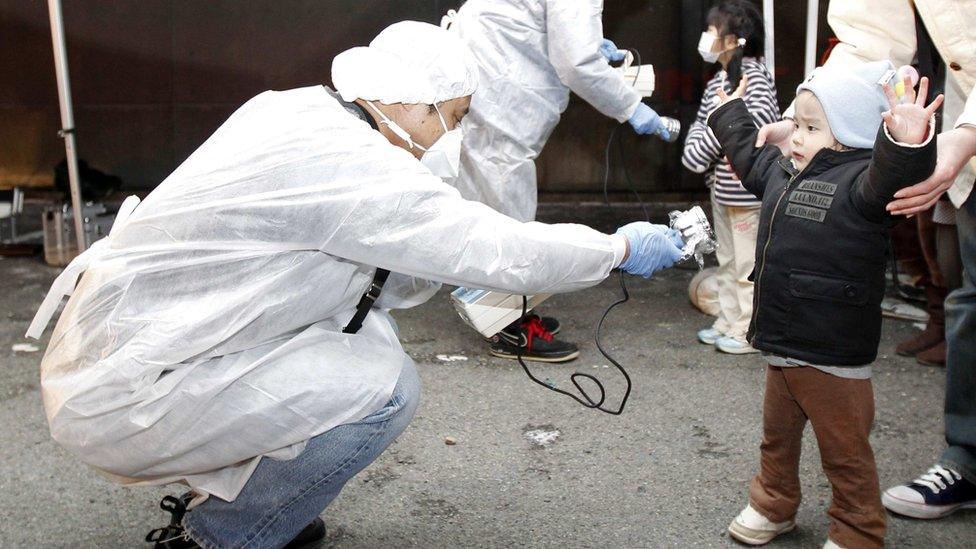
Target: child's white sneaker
[
  {"x": 709, "y": 336},
  {"x": 733, "y": 346},
  {"x": 831, "y": 545},
  {"x": 752, "y": 528}
]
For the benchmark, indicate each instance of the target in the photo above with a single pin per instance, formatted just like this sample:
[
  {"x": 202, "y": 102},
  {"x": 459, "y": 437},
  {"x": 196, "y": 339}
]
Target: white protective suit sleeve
[{"x": 574, "y": 31}]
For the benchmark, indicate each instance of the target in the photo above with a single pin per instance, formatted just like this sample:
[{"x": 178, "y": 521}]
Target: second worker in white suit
[{"x": 530, "y": 55}]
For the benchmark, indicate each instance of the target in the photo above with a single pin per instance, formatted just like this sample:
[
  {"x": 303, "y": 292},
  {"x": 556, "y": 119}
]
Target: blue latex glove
[
  {"x": 609, "y": 50},
  {"x": 646, "y": 121},
  {"x": 652, "y": 248}
]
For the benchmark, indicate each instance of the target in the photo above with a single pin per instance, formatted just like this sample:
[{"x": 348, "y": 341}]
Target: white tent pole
[
  {"x": 770, "y": 48},
  {"x": 810, "y": 58},
  {"x": 67, "y": 116}
]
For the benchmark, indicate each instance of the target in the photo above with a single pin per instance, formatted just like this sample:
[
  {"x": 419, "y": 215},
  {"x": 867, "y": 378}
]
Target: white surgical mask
[
  {"x": 705, "y": 44},
  {"x": 443, "y": 158}
]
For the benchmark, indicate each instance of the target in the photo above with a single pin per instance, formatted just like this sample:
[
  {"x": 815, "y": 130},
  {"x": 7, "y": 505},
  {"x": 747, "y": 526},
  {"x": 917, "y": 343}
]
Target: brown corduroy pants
[{"x": 841, "y": 411}]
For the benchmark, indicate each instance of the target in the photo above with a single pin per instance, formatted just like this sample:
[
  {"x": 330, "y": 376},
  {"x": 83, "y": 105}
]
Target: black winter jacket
[{"x": 820, "y": 255}]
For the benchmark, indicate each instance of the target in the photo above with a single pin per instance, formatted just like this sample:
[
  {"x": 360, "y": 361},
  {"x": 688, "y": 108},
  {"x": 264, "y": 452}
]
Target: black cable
[{"x": 590, "y": 402}]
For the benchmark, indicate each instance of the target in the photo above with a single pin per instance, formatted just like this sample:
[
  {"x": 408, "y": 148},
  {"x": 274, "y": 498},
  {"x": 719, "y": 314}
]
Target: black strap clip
[{"x": 366, "y": 302}]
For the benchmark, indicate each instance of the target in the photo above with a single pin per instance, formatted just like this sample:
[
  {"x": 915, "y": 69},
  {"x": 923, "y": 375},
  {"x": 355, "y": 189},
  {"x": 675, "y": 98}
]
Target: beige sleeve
[
  {"x": 963, "y": 185},
  {"x": 865, "y": 37}
]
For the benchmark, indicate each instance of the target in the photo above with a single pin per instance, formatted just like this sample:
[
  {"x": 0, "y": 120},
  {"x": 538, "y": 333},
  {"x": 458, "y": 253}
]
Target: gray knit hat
[{"x": 852, "y": 99}]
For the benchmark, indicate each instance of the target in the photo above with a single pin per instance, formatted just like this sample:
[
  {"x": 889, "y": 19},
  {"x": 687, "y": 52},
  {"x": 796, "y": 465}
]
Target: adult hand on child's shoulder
[
  {"x": 724, "y": 98},
  {"x": 908, "y": 121}
]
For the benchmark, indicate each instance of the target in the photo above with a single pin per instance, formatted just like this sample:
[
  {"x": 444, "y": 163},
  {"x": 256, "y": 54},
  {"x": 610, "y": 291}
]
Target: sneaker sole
[
  {"x": 707, "y": 340},
  {"x": 746, "y": 537},
  {"x": 553, "y": 360},
  {"x": 921, "y": 510},
  {"x": 488, "y": 339}
]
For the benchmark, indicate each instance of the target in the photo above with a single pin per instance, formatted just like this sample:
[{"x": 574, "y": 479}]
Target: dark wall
[{"x": 152, "y": 79}]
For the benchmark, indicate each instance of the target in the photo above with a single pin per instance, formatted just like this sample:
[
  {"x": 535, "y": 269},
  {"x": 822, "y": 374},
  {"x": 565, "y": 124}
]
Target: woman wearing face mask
[{"x": 734, "y": 40}]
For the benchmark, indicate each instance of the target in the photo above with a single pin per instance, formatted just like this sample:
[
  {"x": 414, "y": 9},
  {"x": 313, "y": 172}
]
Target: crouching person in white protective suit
[
  {"x": 233, "y": 315},
  {"x": 530, "y": 55}
]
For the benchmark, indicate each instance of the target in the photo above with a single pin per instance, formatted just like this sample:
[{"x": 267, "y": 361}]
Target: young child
[
  {"x": 819, "y": 282},
  {"x": 734, "y": 38}
]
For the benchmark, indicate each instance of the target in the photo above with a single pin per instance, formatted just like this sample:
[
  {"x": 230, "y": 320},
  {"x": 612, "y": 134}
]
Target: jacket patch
[
  {"x": 817, "y": 186},
  {"x": 811, "y": 199},
  {"x": 813, "y": 214}
]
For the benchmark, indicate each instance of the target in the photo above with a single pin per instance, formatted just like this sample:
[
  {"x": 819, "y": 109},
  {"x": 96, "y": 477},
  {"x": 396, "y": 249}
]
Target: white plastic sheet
[{"x": 205, "y": 330}]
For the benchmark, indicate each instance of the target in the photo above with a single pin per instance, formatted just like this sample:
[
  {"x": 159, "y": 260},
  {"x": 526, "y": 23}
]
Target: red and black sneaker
[{"x": 533, "y": 341}]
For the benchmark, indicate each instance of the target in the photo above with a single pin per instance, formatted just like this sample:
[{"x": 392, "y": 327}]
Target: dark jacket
[{"x": 820, "y": 255}]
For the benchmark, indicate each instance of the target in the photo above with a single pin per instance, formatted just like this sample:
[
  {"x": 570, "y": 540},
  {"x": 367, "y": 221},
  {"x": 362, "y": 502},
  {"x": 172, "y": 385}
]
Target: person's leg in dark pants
[
  {"x": 960, "y": 403},
  {"x": 950, "y": 485}
]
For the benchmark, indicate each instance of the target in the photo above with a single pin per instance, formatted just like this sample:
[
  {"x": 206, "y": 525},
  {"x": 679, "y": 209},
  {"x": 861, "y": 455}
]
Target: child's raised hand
[
  {"x": 724, "y": 98},
  {"x": 908, "y": 122}
]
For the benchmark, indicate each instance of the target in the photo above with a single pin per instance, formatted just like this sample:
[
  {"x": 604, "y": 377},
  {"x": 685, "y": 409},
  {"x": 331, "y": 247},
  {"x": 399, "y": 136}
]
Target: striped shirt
[{"x": 703, "y": 153}]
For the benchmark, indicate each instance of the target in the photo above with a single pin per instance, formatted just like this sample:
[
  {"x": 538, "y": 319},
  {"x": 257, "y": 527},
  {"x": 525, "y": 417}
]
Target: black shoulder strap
[
  {"x": 353, "y": 108},
  {"x": 379, "y": 278},
  {"x": 366, "y": 302}
]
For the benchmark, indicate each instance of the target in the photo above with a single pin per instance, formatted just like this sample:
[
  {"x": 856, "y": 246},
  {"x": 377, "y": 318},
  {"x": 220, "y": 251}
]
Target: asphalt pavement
[{"x": 529, "y": 467}]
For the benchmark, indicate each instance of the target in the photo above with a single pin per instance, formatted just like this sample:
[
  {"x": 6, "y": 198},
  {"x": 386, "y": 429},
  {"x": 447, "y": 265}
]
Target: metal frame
[
  {"x": 810, "y": 54},
  {"x": 67, "y": 115}
]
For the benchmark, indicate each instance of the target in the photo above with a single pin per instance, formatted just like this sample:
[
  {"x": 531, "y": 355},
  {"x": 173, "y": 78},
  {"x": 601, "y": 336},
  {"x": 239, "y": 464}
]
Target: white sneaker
[
  {"x": 752, "y": 528},
  {"x": 829, "y": 544},
  {"x": 734, "y": 346},
  {"x": 709, "y": 336}
]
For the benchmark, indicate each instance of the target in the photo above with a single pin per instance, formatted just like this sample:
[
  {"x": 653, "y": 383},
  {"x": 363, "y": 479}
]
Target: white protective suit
[
  {"x": 205, "y": 332},
  {"x": 530, "y": 53}
]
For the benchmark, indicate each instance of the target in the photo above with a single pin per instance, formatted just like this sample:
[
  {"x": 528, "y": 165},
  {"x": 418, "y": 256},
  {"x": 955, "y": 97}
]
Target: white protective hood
[{"x": 205, "y": 331}]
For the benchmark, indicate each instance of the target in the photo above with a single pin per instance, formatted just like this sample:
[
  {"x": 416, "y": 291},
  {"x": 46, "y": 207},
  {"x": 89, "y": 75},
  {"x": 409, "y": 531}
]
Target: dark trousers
[{"x": 960, "y": 307}]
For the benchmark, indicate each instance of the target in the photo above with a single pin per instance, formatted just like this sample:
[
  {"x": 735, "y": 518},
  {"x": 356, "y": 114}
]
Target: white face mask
[
  {"x": 443, "y": 158},
  {"x": 705, "y": 44}
]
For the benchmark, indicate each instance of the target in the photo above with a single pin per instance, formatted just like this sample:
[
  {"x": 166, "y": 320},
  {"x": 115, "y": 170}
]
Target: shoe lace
[
  {"x": 168, "y": 534},
  {"x": 938, "y": 478},
  {"x": 173, "y": 531},
  {"x": 534, "y": 328}
]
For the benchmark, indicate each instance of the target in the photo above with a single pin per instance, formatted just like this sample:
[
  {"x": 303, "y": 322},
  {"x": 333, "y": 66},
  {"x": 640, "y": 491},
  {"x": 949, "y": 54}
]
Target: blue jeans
[
  {"x": 960, "y": 309},
  {"x": 282, "y": 497}
]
